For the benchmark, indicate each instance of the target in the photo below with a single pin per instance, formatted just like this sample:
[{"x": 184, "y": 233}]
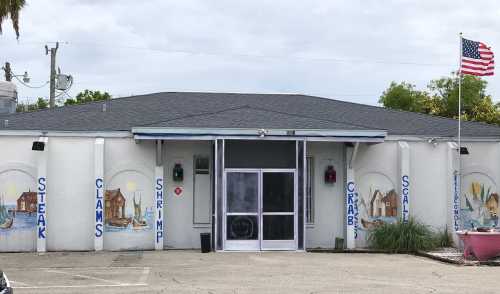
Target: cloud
[{"x": 349, "y": 50}]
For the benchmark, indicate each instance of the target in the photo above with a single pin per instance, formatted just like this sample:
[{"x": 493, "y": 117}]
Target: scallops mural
[
  {"x": 377, "y": 202},
  {"x": 479, "y": 202},
  {"x": 128, "y": 205}
]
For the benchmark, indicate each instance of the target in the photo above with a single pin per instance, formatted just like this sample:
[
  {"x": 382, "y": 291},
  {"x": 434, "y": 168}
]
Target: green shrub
[
  {"x": 411, "y": 236},
  {"x": 443, "y": 238}
]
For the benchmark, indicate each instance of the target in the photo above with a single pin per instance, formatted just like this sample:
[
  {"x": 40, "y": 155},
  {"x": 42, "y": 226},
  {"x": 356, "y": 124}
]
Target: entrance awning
[{"x": 161, "y": 133}]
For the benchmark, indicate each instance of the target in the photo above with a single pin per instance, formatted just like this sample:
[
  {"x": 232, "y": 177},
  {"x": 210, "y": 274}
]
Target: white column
[
  {"x": 99, "y": 193},
  {"x": 351, "y": 202},
  {"x": 41, "y": 212},
  {"x": 159, "y": 188},
  {"x": 454, "y": 191},
  {"x": 404, "y": 172}
]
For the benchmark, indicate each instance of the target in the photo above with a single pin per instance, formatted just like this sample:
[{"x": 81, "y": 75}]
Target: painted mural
[
  {"x": 17, "y": 202},
  {"x": 127, "y": 204},
  {"x": 377, "y": 201},
  {"x": 479, "y": 204}
]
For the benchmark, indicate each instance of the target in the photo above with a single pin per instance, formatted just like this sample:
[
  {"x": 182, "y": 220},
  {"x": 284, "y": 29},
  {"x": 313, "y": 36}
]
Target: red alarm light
[{"x": 330, "y": 175}]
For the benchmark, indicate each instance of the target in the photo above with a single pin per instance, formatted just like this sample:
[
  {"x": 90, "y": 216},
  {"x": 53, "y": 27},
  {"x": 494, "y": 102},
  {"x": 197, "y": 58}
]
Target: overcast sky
[{"x": 349, "y": 50}]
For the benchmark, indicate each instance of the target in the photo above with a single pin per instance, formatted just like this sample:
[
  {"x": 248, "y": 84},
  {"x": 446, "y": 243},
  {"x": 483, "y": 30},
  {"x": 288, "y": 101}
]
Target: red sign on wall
[{"x": 178, "y": 191}]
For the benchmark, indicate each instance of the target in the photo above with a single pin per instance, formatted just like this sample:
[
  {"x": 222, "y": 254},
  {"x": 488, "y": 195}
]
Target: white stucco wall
[
  {"x": 70, "y": 173},
  {"x": 328, "y": 198},
  {"x": 181, "y": 232},
  {"x": 375, "y": 168},
  {"x": 129, "y": 166},
  {"x": 429, "y": 185},
  {"x": 17, "y": 174}
]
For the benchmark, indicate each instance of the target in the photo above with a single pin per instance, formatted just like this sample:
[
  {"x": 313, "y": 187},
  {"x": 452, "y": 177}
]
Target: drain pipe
[{"x": 354, "y": 153}]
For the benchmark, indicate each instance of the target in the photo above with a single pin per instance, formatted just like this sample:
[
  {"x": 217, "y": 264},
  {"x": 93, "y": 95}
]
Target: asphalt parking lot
[{"x": 266, "y": 272}]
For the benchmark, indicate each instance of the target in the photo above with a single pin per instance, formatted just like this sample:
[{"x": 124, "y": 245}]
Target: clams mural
[
  {"x": 479, "y": 202},
  {"x": 17, "y": 202},
  {"x": 378, "y": 201},
  {"x": 128, "y": 205}
]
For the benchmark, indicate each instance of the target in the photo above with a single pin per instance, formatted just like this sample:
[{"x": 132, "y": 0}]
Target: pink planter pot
[{"x": 483, "y": 245}]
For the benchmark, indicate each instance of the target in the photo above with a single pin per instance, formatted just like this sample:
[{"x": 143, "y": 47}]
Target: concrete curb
[{"x": 418, "y": 253}]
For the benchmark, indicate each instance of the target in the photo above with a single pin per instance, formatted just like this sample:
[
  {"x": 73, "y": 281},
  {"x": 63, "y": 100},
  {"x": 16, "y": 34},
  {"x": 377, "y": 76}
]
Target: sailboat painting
[
  {"x": 128, "y": 207},
  {"x": 17, "y": 202}
]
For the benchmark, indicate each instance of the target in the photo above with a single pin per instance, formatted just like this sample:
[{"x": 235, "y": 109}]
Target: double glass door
[{"x": 260, "y": 209}]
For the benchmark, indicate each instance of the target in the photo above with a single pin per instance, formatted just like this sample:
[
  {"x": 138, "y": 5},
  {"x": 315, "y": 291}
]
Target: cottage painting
[
  {"x": 479, "y": 202},
  {"x": 127, "y": 204},
  {"x": 17, "y": 202},
  {"x": 377, "y": 201}
]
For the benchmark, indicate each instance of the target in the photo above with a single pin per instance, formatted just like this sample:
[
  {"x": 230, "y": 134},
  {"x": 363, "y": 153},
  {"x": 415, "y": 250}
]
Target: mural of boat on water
[
  {"x": 377, "y": 201},
  {"x": 17, "y": 202},
  {"x": 121, "y": 216},
  {"x": 480, "y": 202},
  {"x": 19, "y": 216},
  {"x": 6, "y": 219}
]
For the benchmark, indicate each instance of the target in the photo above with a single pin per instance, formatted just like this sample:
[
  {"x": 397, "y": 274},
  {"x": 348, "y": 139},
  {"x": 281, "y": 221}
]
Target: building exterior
[
  {"x": 257, "y": 171},
  {"x": 27, "y": 202}
]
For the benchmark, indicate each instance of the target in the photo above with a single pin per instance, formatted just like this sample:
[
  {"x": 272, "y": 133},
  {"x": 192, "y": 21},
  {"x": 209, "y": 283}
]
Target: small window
[
  {"x": 309, "y": 190},
  {"x": 201, "y": 190},
  {"x": 201, "y": 165}
]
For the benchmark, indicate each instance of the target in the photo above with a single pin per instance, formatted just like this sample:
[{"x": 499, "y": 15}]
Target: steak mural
[
  {"x": 17, "y": 205},
  {"x": 479, "y": 202},
  {"x": 377, "y": 202}
]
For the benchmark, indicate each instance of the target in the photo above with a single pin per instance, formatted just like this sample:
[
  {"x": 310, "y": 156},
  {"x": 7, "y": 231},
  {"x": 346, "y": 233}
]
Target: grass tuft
[{"x": 408, "y": 237}]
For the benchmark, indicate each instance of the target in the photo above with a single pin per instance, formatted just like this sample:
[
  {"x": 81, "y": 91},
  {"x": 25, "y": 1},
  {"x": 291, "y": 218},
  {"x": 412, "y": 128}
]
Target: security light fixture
[{"x": 38, "y": 146}]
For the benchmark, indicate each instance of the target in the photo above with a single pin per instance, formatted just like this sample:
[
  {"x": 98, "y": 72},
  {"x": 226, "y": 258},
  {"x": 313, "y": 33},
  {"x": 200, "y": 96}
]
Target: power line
[
  {"x": 251, "y": 55},
  {"x": 29, "y": 86}
]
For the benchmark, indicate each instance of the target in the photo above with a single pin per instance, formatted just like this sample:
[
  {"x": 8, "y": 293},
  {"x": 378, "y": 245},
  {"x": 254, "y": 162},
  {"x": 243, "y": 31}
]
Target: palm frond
[{"x": 11, "y": 8}]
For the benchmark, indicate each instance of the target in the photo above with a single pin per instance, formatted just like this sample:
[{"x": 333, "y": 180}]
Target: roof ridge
[
  {"x": 306, "y": 116},
  {"x": 195, "y": 115},
  {"x": 400, "y": 110}
]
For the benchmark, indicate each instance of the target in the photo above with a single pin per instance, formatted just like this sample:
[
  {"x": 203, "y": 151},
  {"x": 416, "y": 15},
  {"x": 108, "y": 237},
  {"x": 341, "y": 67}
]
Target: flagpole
[
  {"x": 460, "y": 95},
  {"x": 459, "y": 176}
]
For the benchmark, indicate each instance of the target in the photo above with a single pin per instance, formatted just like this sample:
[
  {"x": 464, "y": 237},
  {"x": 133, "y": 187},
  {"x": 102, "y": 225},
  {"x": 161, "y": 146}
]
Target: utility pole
[
  {"x": 8, "y": 72},
  {"x": 53, "y": 52}
]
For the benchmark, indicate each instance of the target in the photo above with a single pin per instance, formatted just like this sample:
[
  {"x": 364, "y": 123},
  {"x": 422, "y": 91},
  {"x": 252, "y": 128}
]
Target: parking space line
[
  {"x": 80, "y": 286},
  {"x": 84, "y": 276},
  {"x": 145, "y": 274},
  {"x": 20, "y": 283}
]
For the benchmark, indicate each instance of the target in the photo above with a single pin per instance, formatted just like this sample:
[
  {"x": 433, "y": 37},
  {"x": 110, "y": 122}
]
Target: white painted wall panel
[
  {"x": 70, "y": 202},
  {"x": 130, "y": 167},
  {"x": 180, "y": 230},
  {"x": 376, "y": 169},
  {"x": 429, "y": 183},
  {"x": 328, "y": 198},
  {"x": 17, "y": 175}
]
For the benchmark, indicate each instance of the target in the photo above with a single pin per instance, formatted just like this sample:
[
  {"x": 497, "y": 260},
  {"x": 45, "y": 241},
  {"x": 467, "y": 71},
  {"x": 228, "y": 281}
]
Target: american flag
[{"x": 477, "y": 59}]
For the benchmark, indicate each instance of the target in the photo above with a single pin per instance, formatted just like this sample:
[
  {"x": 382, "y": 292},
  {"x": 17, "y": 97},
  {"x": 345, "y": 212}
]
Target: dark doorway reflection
[
  {"x": 277, "y": 193},
  {"x": 277, "y": 227},
  {"x": 242, "y": 227}
]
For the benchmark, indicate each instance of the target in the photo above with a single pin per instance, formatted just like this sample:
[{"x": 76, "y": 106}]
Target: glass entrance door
[
  {"x": 242, "y": 206},
  {"x": 260, "y": 209},
  {"x": 278, "y": 210}
]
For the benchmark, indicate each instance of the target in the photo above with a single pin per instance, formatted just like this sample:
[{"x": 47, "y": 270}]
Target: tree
[
  {"x": 11, "y": 8},
  {"x": 446, "y": 90},
  {"x": 403, "y": 96},
  {"x": 88, "y": 96},
  {"x": 39, "y": 104},
  {"x": 442, "y": 99}
]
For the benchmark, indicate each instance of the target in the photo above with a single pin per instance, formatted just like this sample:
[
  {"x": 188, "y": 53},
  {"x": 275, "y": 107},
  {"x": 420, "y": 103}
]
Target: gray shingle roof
[{"x": 229, "y": 110}]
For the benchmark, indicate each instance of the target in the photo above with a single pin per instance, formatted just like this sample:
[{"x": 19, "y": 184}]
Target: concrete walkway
[{"x": 267, "y": 272}]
